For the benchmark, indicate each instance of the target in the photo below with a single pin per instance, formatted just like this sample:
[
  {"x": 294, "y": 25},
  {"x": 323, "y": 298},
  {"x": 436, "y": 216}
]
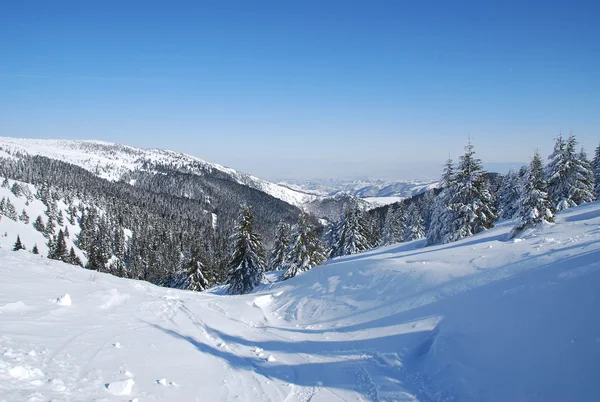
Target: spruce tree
[
  {"x": 195, "y": 279},
  {"x": 246, "y": 266},
  {"x": 18, "y": 245},
  {"x": 72, "y": 258},
  {"x": 352, "y": 234},
  {"x": 472, "y": 200},
  {"x": 414, "y": 228},
  {"x": 35, "y": 250},
  {"x": 570, "y": 181},
  {"x": 392, "y": 231},
  {"x": 59, "y": 250},
  {"x": 24, "y": 217},
  {"x": 277, "y": 259},
  {"x": 596, "y": 167},
  {"x": 535, "y": 204},
  {"x": 38, "y": 224},
  {"x": 305, "y": 250}
]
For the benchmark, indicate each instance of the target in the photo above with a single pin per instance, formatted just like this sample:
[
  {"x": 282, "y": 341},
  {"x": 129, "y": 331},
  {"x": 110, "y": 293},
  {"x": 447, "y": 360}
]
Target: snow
[
  {"x": 64, "y": 300},
  {"x": 111, "y": 161},
  {"x": 379, "y": 201},
  {"x": 464, "y": 321},
  {"x": 121, "y": 387}
]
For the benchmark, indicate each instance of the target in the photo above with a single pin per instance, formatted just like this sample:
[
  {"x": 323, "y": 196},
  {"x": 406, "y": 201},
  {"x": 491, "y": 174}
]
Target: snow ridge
[{"x": 111, "y": 161}]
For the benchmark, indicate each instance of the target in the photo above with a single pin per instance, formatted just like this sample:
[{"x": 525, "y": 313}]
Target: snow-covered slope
[
  {"x": 111, "y": 161},
  {"x": 364, "y": 188},
  {"x": 483, "y": 319}
]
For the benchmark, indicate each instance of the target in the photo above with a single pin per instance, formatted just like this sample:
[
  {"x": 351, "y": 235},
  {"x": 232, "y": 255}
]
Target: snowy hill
[
  {"x": 363, "y": 188},
  {"x": 482, "y": 319},
  {"x": 113, "y": 161}
]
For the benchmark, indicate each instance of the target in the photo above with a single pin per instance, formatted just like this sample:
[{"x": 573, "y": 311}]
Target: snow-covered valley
[{"x": 482, "y": 319}]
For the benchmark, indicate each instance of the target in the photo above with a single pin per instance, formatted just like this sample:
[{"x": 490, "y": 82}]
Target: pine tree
[
  {"x": 10, "y": 211},
  {"x": 393, "y": 226},
  {"x": 35, "y": 250},
  {"x": 414, "y": 228},
  {"x": 472, "y": 199},
  {"x": 280, "y": 247},
  {"x": 351, "y": 234},
  {"x": 569, "y": 175},
  {"x": 59, "y": 250},
  {"x": 5, "y": 183},
  {"x": 195, "y": 279},
  {"x": 305, "y": 250},
  {"x": 16, "y": 189},
  {"x": 18, "y": 245},
  {"x": 596, "y": 167},
  {"x": 24, "y": 217},
  {"x": 535, "y": 204},
  {"x": 38, "y": 224},
  {"x": 245, "y": 268},
  {"x": 510, "y": 193},
  {"x": 72, "y": 258},
  {"x": 465, "y": 205}
]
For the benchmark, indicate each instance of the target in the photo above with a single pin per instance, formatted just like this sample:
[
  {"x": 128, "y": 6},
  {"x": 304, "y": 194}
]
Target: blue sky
[{"x": 305, "y": 88}]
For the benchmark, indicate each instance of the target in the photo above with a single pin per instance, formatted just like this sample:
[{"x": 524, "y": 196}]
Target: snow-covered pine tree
[
  {"x": 246, "y": 266},
  {"x": 277, "y": 258},
  {"x": 10, "y": 210},
  {"x": 24, "y": 217},
  {"x": 195, "y": 279},
  {"x": 59, "y": 250},
  {"x": 38, "y": 224},
  {"x": 510, "y": 193},
  {"x": 441, "y": 227},
  {"x": 583, "y": 190},
  {"x": 305, "y": 249},
  {"x": 596, "y": 167},
  {"x": 18, "y": 245},
  {"x": 536, "y": 207},
  {"x": 392, "y": 226},
  {"x": 351, "y": 234},
  {"x": 472, "y": 199},
  {"x": 72, "y": 258},
  {"x": 413, "y": 229},
  {"x": 568, "y": 176},
  {"x": 35, "y": 250}
]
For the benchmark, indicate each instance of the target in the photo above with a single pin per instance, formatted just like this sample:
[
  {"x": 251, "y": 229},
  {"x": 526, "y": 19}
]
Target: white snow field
[{"x": 483, "y": 319}]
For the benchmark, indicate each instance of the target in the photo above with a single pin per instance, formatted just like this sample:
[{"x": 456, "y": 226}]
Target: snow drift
[{"x": 482, "y": 319}]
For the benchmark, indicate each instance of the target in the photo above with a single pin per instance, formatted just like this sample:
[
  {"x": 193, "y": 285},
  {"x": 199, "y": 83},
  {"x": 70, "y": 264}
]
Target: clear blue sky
[{"x": 305, "y": 88}]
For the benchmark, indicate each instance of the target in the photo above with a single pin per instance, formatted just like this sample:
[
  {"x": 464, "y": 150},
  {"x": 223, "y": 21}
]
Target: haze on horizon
[{"x": 306, "y": 89}]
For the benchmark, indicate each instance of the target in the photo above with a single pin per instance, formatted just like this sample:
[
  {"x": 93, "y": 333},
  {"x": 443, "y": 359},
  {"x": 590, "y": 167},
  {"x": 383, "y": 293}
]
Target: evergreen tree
[
  {"x": 16, "y": 189},
  {"x": 66, "y": 232},
  {"x": 465, "y": 205},
  {"x": 305, "y": 250},
  {"x": 277, "y": 258},
  {"x": 510, "y": 192},
  {"x": 414, "y": 228},
  {"x": 596, "y": 167},
  {"x": 352, "y": 233},
  {"x": 38, "y": 224},
  {"x": 245, "y": 268},
  {"x": 5, "y": 183},
  {"x": 18, "y": 245},
  {"x": 9, "y": 210},
  {"x": 195, "y": 279},
  {"x": 570, "y": 181},
  {"x": 59, "y": 250},
  {"x": 472, "y": 199},
  {"x": 73, "y": 259},
  {"x": 24, "y": 217},
  {"x": 35, "y": 250},
  {"x": 535, "y": 205},
  {"x": 393, "y": 226}
]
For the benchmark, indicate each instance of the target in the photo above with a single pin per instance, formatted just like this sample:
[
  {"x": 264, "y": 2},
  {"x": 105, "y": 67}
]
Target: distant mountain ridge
[
  {"x": 362, "y": 188},
  {"x": 115, "y": 162}
]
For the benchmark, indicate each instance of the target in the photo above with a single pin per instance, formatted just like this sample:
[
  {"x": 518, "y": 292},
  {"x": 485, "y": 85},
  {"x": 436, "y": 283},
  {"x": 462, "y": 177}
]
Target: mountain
[
  {"x": 482, "y": 319},
  {"x": 117, "y": 162},
  {"x": 362, "y": 188}
]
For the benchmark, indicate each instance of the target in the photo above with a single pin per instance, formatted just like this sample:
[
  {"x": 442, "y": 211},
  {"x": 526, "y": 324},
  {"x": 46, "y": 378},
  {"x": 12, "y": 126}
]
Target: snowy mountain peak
[{"x": 112, "y": 161}]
